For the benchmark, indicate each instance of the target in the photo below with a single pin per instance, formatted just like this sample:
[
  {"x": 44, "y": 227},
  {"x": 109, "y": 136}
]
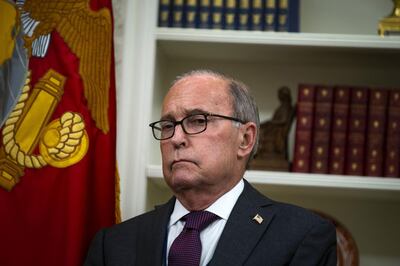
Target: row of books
[
  {"x": 347, "y": 131},
  {"x": 262, "y": 15}
]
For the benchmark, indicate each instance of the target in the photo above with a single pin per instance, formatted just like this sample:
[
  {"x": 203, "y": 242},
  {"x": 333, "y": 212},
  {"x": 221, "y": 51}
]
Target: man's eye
[
  {"x": 197, "y": 121},
  {"x": 167, "y": 126}
]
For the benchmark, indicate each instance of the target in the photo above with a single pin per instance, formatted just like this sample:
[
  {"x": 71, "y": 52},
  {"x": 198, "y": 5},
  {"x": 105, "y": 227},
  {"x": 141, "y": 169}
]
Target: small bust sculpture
[{"x": 273, "y": 147}]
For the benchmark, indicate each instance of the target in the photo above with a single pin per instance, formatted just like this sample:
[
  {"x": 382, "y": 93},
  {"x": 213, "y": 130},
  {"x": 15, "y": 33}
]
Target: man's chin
[
  {"x": 181, "y": 175},
  {"x": 181, "y": 181}
]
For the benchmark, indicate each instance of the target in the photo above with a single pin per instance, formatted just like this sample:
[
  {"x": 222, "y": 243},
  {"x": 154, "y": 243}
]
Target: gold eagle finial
[{"x": 87, "y": 33}]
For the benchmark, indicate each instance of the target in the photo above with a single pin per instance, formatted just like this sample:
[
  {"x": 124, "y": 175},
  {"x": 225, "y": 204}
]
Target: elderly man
[{"x": 208, "y": 134}]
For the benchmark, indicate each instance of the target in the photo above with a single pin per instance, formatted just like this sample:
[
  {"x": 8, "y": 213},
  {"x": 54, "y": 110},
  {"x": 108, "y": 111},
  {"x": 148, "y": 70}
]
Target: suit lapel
[
  {"x": 242, "y": 230},
  {"x": 152, "y": 236}
]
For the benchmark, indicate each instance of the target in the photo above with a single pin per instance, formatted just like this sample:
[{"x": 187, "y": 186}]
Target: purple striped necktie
[{"x": 186, "y": 248}]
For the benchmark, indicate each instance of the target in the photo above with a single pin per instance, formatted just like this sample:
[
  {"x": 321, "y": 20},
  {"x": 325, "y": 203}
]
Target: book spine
[
  {"x": 321, "y": 129},
  {"x": 303, "y": 134},
  {"x": 340, "y": 112},
  {"x": 177, "y": 14},
  {"x": 270, "y": 15},
  {"x": 294, "y": 16},
  {"x": 164, "y": 13},
  {"x": 288, "y": 16},
  {"x": 376, "y": 126},
  {"x": 392, "y": 151},
  {"x": 230, "y": 14},
  {"x": 282, "y": 15},
  {"x": 256, "y": 10},
  {"x": 204, "y": 14},
  {"x": 217, "y": 14},
  {"x": 356, "y": 132},
  {"x": 191, "y": 14},
  {"x": 244, "y": 15}
]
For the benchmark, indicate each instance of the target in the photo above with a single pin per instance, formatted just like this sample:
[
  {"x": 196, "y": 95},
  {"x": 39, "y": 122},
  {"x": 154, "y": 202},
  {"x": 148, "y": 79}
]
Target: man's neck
[{"x": 200, "y": 199}]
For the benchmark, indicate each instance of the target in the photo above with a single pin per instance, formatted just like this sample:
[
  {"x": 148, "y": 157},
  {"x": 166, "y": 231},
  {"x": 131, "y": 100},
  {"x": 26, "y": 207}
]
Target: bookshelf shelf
[
  {"x": 278, "y": 48},
  {"x": 376, "y": 187},
  {"x": 277, "y": 38}
]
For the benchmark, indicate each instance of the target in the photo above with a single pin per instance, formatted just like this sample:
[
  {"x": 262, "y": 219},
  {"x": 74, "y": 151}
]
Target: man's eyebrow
[
  {"x": 167, "y": 117},
  {"x": 196, "y": 112},
  {"x": 187, "y": 112}
]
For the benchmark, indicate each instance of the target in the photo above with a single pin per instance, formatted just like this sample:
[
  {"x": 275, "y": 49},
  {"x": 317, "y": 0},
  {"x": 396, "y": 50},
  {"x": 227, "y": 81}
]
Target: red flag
[{"x": 57, "y": 152}]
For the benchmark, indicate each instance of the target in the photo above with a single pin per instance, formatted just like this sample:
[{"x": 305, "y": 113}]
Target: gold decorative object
[
  {"x": 88, "y": 34},
  {"x": 391, "y": 23},
  {"x": 272, "y": 153},
  {"x": 62, "y": 142}
]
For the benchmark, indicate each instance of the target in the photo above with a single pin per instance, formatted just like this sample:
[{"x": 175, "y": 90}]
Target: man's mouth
[{"x": 181, "y": 162}]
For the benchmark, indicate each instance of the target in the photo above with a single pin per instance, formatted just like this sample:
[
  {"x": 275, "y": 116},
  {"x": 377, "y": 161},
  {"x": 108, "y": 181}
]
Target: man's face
[{"x": 206, "y": 160}]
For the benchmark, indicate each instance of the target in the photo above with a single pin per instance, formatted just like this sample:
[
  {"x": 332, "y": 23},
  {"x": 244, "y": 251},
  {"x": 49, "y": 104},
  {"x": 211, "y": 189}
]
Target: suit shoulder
[
  {"x": 287, "y": 212},
  {"x": 300, "y": 218},
  {"x": 133, "y": 223}
]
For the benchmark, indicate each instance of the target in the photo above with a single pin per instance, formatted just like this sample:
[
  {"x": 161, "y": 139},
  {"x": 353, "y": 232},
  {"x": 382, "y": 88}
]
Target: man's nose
[{"x": 180, "y": 137}]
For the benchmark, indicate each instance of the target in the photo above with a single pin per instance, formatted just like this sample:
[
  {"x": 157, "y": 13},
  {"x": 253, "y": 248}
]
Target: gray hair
[{"x": 243, "y": 104}]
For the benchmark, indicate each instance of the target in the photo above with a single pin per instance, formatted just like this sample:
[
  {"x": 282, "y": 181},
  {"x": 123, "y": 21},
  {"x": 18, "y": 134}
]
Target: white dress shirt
[{"x": 210, "y": 235}]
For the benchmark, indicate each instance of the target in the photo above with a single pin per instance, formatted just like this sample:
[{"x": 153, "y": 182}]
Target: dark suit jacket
[{"x": 288, "y": 235}]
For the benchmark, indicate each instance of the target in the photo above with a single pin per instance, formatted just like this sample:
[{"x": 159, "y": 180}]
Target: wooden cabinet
[{"x": 338, "y": 45}]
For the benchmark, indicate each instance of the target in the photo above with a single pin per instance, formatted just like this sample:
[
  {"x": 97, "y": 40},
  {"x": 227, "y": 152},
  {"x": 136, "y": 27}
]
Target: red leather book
[
  {"x": 340, "y": 112},
  {"x": 376, "y": 128},
  {"x": 303, "y": 134},
  {"x": 321, "y": 129},
  {"x": 392, "y": 151},
  {"x": 356, "y": 131}
]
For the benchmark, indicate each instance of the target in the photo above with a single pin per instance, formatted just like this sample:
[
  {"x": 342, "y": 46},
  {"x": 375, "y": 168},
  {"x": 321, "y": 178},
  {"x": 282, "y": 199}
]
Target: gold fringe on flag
[{"x": 117, "y": 197}]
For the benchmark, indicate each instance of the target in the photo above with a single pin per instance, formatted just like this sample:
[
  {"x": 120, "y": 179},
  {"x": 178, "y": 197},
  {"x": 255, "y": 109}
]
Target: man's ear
[{"x": 248, "y": 133}]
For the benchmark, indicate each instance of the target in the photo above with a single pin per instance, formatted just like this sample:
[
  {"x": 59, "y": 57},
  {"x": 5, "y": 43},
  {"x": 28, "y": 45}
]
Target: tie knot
[{"x": 199, "y": 219}]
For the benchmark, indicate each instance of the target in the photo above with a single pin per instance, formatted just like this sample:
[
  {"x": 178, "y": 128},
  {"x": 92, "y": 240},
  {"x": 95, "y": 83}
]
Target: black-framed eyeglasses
[{"x": 191, "y": 125}]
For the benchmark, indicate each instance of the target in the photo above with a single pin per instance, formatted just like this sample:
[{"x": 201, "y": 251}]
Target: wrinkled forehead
[{"x": 197, "y": 93}]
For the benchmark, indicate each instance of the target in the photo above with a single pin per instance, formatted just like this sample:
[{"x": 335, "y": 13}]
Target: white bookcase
[{"x": 338, "y": 44}]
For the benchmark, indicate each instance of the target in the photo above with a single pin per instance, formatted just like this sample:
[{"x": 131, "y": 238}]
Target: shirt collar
[{"x": 222, "y": 206}]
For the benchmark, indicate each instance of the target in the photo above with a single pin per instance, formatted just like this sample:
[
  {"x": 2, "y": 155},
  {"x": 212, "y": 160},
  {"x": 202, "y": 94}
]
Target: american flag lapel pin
[{"x": 258, "y": 218}]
